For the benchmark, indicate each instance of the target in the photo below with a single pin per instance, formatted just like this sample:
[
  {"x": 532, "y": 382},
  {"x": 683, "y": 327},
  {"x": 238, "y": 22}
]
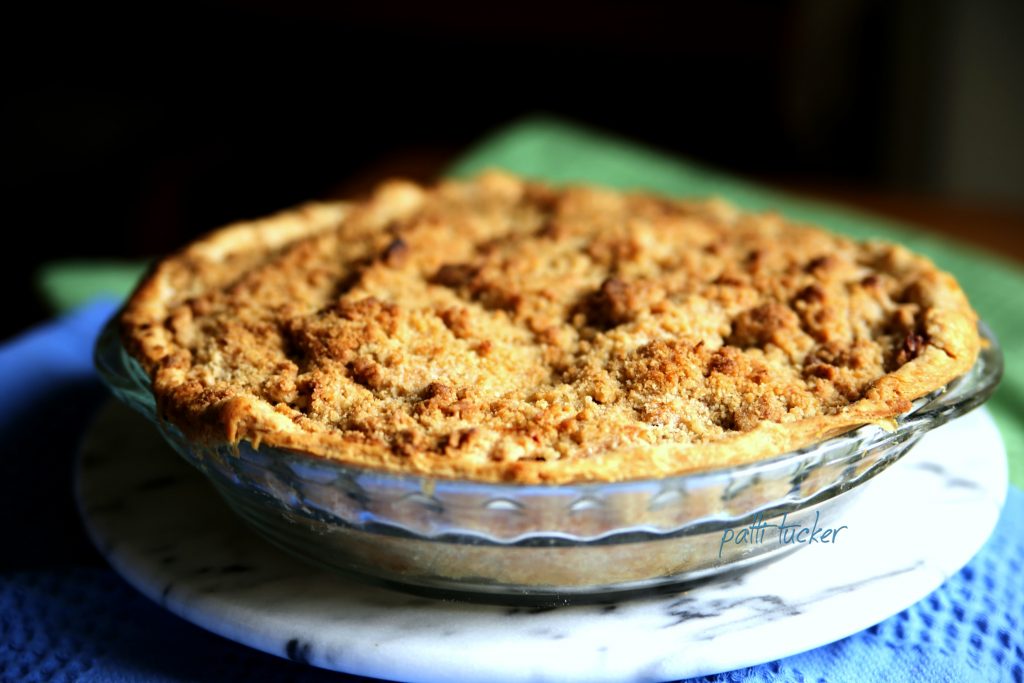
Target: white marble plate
[{"x": 167, "y": 532}]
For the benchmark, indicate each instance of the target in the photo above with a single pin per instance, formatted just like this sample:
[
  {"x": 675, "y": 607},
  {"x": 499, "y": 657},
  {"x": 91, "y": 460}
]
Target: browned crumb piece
[{"x": 502, "y": 330}]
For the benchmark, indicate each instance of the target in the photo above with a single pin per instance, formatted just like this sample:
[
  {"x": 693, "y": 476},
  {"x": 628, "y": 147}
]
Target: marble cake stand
[{"x": 163, "y": 528}]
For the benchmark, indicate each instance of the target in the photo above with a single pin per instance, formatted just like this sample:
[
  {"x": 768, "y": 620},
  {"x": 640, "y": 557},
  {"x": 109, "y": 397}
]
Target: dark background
[{"x": 129, "y": 129}]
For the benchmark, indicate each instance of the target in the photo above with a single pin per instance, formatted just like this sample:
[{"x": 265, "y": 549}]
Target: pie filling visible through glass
[{"x": 503, "y": 330}]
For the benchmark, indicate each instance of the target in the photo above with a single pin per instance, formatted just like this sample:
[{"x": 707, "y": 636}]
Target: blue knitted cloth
[{"x": 64, "y": 616}]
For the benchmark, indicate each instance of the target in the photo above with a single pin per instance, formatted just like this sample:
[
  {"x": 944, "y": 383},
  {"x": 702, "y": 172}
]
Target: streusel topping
[{"x": 504, "y": 330}]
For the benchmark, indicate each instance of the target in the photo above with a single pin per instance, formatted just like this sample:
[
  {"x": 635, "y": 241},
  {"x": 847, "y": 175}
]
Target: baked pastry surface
[{"x": 503, "y": 330}]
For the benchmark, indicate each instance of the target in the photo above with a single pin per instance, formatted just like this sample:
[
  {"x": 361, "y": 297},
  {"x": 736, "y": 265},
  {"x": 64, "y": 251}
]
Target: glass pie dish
[{"x": 514, "y": 542}]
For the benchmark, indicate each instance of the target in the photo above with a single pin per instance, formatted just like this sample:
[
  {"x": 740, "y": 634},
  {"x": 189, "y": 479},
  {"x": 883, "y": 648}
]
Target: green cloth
[
  {"x": 69, "y": 284},
  {"x": 559, "y": 151}
]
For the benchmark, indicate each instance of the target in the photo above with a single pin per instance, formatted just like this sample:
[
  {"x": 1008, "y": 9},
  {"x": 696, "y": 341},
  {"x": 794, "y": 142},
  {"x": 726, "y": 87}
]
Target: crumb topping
[{"x": 504, "y": 330}]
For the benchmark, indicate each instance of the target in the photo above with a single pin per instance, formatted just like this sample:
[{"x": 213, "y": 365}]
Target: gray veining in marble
[{"x": 168, "y": 533}]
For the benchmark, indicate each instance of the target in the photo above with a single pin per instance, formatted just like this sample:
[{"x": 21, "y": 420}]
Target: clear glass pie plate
[{"x": 578, "y": 542}]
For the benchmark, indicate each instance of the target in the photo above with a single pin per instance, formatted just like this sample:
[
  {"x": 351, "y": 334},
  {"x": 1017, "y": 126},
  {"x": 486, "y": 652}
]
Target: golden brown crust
[{"x": 501, "y": 330}]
